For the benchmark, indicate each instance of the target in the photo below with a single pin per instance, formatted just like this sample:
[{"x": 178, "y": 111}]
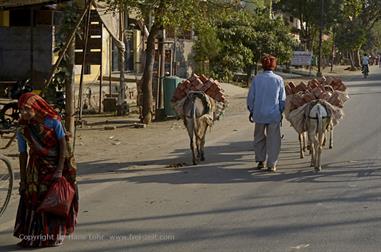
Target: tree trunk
[
  {"x": 147, "y": 77},
  {"x": 353, "y": 67},
  {"x": 121, "y": 109},
  {"x": 358, "y": 58},
  {"x": 70, "y": 91},
  {"x": 249, "y": 72}
]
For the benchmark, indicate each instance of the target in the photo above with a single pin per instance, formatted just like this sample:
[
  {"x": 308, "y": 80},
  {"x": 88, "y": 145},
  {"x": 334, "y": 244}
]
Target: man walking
[{"x": 265, "y": 102}]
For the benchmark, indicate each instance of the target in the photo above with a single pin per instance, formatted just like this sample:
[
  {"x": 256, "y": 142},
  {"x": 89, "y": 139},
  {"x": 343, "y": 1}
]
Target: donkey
[
  {"x": 304, "y": 146},
  {"x": 318, "y": 122},
  {"x": 198, "y": 116}
]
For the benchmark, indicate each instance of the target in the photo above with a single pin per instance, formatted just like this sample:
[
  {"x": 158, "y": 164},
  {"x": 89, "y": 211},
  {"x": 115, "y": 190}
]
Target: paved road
[{"x": 225, "y": 205}]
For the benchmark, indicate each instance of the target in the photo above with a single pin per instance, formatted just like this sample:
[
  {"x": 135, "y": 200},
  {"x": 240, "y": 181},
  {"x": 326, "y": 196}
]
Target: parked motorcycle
[{"x": 9, "y": 114}]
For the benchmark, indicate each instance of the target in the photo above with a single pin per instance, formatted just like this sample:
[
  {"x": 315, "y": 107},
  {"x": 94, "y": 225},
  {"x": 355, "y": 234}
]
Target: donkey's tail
[
  {"x": 319, "y": 121},
  {"x": 194, "y": 117}
]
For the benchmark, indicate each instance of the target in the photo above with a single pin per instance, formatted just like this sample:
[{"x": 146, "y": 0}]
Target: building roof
[{"x": 5, "y": 4}]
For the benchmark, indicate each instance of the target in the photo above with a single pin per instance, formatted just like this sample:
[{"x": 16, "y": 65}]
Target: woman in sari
[{"x": 40, "y": 128}]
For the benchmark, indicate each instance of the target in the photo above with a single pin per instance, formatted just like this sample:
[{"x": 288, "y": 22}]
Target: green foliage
[
  {"x": 350, "y": 36},
  {"x": 206, "y": 47},
  {"x": 272, "y": 37},
  {"x": 242, "y": 39},
  {"x": 174, "y": 13},
  {"x": 63, "y": 72},
  {"x": 356, "y": 29},
  {"x": 373, "y": 44},
  {"x": 351, "y": 20}
]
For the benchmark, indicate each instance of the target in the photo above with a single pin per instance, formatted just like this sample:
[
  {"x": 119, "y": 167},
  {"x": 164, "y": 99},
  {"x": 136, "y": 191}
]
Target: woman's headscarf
[
  {"x": 39, "y": 105},
  {"x": 268, "y": 62}
]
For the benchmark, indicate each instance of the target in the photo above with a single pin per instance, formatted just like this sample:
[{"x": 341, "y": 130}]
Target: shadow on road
[{"x": 228, "y": 163}]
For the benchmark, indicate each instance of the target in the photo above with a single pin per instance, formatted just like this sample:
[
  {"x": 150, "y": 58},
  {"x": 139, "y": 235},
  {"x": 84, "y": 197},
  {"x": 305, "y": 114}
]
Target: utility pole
[
  {"x": 333, "y": 50},
  {"x": 319, "y": 74},
  {"x": 162, "y": 68}
]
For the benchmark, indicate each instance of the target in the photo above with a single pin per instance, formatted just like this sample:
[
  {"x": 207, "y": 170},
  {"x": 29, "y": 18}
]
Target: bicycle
[
  {"x": 6, "y": 183},
  {"x": 365, "y": 71},
  {"x": 9, "y": 116}
]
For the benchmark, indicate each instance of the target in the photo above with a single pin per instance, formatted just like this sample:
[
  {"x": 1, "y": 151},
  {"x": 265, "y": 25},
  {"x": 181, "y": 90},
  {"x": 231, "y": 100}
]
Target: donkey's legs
[
  {"x": 193, "y": 148},
  {"x": 301, "y": 144},
  {"x": 330, "y": 136},
  {"x": 313, "y": 154},
  {"x": 190, "y": 128},
  {"x": 312, "y": 139},
  {"x": 319, "y": 148},
  {"x": 202, "y": 143},
  {"x": 198, "y": 145}
]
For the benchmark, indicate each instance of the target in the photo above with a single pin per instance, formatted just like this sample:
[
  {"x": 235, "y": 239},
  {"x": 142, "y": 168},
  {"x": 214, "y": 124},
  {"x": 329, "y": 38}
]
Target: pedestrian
[
  {"x": 266, "y": 102},
  {"x": 41, "y": 129}
]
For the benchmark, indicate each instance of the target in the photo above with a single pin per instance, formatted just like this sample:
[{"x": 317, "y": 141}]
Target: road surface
[{"x": 149, "y": 197}]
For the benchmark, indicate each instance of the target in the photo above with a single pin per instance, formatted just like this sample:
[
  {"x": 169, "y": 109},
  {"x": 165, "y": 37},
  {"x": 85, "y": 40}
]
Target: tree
[
  {"x": 63, "y": 77},
  {"x": 373, "y": 44},
  {"x": 309, "y": 14},
  {"x": 351, "y": 21},
  {"x": 272, "y": 37},
  {"x": 166, "y": 13},
  {"x": 354, "y": 27},
  {"x": 243, "y": 38},
  {"x": 206, "y": 48}
]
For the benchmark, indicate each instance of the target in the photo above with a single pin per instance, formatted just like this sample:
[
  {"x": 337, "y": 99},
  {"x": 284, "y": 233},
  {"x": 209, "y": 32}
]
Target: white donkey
[{"x": 318, "y": 122}]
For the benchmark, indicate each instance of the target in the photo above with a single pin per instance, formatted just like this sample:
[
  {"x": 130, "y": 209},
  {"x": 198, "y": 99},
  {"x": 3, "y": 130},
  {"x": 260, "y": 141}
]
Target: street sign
[{"x": 301, "y": 58}]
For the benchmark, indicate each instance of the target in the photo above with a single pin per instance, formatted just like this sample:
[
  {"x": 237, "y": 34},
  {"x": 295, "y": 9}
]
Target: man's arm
[
  {"x": 251, "y": 97},
  {"x": 250, "y": 101},
  {"x": 282, "y": 96}
]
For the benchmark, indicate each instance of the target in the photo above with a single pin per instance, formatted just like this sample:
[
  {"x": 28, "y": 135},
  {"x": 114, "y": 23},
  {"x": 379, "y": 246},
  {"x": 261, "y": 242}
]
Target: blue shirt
[
  {"x": 50, "y": 123},
  {"x": 266, "y": 98}
]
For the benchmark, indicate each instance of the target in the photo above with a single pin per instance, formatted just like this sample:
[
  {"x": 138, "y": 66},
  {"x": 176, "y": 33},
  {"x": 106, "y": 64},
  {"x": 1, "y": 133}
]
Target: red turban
[{"x": 269, "y": 62}]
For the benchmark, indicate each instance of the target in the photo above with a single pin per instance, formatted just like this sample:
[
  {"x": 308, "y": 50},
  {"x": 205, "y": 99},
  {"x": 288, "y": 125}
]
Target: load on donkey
[
  {"x": 313, "y": 109},
  {"x": 199, "y": 101}
]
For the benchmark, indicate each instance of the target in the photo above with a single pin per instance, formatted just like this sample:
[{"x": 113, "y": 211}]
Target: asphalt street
[{"x": 223, "y": 204}]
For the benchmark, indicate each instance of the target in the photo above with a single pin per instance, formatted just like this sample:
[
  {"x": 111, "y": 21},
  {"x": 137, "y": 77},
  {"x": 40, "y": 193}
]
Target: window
[{"x": 19, "y": 17}]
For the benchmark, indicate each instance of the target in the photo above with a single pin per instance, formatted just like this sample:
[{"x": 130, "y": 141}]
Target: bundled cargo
[
  {"x": 200, "y": 83},
  {"x": 330, "y": 91}
]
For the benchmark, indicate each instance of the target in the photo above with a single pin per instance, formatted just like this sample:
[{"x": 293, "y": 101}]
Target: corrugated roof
[{"x": 4, "y": 4}]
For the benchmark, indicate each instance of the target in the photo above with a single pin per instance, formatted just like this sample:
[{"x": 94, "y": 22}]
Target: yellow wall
[
  {"x": 106, "y": 58},
  {"x": 4, "y": 18}
]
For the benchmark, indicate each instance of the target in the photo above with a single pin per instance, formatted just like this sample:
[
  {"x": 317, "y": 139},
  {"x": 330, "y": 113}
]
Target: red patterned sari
[{"x": 39, "y": 229}]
